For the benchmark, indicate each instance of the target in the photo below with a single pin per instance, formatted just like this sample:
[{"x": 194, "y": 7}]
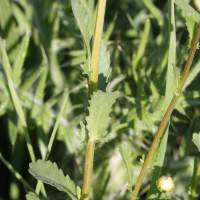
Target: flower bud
[
  {"x": 197, "y": 4},
  {"x": 165, "y": 184}
]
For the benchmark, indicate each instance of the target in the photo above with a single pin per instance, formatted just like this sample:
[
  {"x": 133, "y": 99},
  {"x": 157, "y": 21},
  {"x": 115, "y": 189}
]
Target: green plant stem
[
  {"x": 89, "y": 156},
  {"x": 167, "y": 114},
  {"x": 194, "y": 186},
  {"x": 168, "y": 96},
  {"x": 93, "y": 83},
  {"x": 93, "y": 79},
  {"x": 154, "y": 144},
  {"x": 190, "y": 58},
  {"x": 53, "y": 135}
]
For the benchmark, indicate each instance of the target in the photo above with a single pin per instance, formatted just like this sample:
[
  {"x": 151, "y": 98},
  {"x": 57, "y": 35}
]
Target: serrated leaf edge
[
  {"x": 60, "y": 171},
  {"x": 99, "y": 91}
]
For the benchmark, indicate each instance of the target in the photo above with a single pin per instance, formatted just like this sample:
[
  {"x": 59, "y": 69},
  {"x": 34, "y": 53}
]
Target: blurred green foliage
[{"x": 45, "y": 50}]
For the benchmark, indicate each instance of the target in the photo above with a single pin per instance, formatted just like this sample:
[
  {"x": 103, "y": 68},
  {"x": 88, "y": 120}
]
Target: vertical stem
[
  {"x": 154, "y": 144},
  {"x": 89, "y": 157},
  {"x": 93, "y": 83},
  {"x": 190, "y": 58},
  {"x": 167, "y": 114},
  {"x": 93, "y": 79},
  {"x": 168, "y": 95}
]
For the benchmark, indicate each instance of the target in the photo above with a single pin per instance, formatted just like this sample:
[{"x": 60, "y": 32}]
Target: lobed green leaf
[
  {"x": 86, "y": 68},
  {"x": 49, "y": 173},
  {"x": 99, "y": 110}
]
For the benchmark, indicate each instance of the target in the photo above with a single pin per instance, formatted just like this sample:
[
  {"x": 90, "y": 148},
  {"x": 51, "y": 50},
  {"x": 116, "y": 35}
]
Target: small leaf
[
  {"x": 85, "y": 67},
  {"x": 82, "y": 132},
  {"x": 126, "y": 155},
  {"x": 176, "y": 78},
  {"x": 99, "y": 110},
  {"x": 104, "y": 67},
  {"x": 31, "y": 196},
  {"x": 49, "y": 173},
  {"x": 196, "y": 140},
  {"x": 142, "y": 159},
  {"x": 78, "y": 191},
  {"x": 191, "y": 27}
]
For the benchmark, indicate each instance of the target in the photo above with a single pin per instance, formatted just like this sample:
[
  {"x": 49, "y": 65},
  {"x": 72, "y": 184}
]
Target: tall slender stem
[
  {"x": 168, "y": 95},
  {"x": 190, "y": 58},
  {"x": 93, "y": 83},
  {"x": 154, "y": 144},
  {"x": 93, "y": 79},
  {"x": 167, "y": 114},
  {"x": 89, "y": 157}
]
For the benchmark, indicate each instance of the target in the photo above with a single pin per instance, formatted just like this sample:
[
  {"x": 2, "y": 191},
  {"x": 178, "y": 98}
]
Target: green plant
[{"x": 37, "y": 93}]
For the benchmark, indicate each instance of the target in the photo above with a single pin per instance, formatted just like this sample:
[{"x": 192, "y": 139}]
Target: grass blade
[
  {"x": 18, "y": 64},
  {"x": 15, "y": 99}
]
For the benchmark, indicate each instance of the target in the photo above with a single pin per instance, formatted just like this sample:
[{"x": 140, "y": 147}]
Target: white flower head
[{"x": 165, "y": 184}]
